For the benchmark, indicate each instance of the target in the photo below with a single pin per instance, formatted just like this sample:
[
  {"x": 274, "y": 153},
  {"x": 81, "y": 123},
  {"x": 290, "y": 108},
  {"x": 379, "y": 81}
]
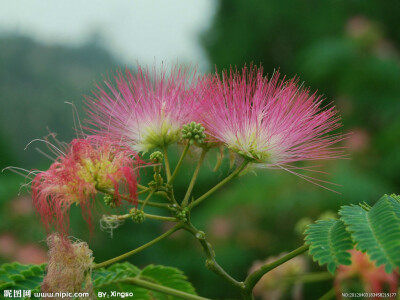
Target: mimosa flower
[
  {"x": 270, "y": 122},
  {"x": 69, "y": 267},
  {"x": 75, "y": 177},
  {"x": 373, "y": 279},
  {"x": 146, "y": 110}
]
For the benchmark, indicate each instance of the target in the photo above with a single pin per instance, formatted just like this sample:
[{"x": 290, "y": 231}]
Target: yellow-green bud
[
  {"x": 110, "y": 201},
  {"x": 137, "y": 215},
  {"x": 156, "y": 157},
  {"x": 194, "y": 132}
]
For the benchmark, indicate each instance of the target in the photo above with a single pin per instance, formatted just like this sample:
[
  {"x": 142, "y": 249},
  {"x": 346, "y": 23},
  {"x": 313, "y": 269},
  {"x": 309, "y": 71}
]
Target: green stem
[
  {"x": 328, "y": 295},
  {"x": 148, "y": 216},
  {"x": 143, "y": 191},
  {"x": 161, "y": 218},
  {"x": 194, "y": 177},
  {"x": 254, "y": 277},
  {"x": 211, "y": 191},
  {"x": 167, "y": 167},
  {"x": 178, "y": 166},
  {"x": 128, "y": 198},
  {"x": 155, "y": 204},
  {"x": 163, "y": 289},
  {"x": 248, "y": 296},
  {"x": 142, "y": 187},
  {"x": 137, "y": 250},
  {"x": 211, "y": 263},
  {"x": 147, "y": 200},
  {"x": 171, "y": 196}
]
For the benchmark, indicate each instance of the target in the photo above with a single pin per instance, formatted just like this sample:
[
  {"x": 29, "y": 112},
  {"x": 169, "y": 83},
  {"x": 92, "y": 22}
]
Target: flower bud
[
  {"x": 194, "y": 132},
  {"x": 156, "y": 157},
  {"x": 137, "y": 216},
  {"x": 110, "y": 201}
]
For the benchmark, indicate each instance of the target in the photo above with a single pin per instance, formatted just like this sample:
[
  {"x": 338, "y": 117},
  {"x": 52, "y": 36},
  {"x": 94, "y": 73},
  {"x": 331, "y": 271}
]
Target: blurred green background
[{"x": 348, "y": 50}]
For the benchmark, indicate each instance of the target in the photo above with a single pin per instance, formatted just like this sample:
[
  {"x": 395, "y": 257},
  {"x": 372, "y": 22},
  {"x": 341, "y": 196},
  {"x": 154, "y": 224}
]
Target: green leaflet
[
  {"x": 15, "y": 276},
  {"x": 113, "y": 279},
  {"x": 329, "y": 242},
  {"x": 395, "y": 200},
  {"x": 169, "y": 277},
  {"x": 376, "y": 231},
  {"x": 29, "y": 277},
  {"x": 110, "y": 279},
  {"x": 114, "y": 273}
]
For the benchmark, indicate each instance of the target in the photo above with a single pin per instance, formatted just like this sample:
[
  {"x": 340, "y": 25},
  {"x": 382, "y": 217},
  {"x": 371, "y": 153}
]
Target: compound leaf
[
  {"x": 376, "y": 231},
  {"x": 118, "y": 277},
  {"x": 329, "y": 243},
  {"x": 20, "y": 278}
]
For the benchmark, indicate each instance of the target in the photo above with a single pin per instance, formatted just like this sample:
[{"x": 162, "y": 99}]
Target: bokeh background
[{"x": 52, "y": 52}]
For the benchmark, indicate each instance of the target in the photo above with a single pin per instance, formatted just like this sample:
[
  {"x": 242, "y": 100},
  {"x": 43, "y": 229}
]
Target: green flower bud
[
  {"x": 137, "y": 216},
  {"x": 193, "y": 132},
  {"x": 110, "y": 201},
  {"x": 182, "y": 214},
  {"x": 156, "y": 157}
]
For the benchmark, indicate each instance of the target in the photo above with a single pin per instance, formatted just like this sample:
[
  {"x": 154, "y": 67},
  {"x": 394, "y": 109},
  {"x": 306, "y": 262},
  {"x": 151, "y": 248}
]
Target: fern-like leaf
[
  {"x": 115, "y": 273},
  {"x": 376, "y": 231},
  {"x": 329, "y": 243},
  {"x": 20, "y": 277},
  {"x": 395, "y": 201},
  {"x": 116, "y": 278},
  {"x": 168, "y": 276}
]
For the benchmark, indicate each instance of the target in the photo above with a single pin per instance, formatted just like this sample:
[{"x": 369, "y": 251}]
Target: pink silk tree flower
[
  {"x": 362, "y": 270},
  {"x": 270, "y": 122},
  {"x": 146, "y": 110},
  {"x": 88, "y": 165}
]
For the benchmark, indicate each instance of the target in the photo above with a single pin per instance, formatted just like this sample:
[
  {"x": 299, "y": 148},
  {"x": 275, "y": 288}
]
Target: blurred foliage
[
  {"x": 348, "y": 50},
  {"x": 35, "y": 82}
]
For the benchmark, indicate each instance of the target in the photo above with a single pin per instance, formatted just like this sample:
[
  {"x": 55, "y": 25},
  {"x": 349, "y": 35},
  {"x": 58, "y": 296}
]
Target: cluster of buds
[
  {"x": 157, "y": 158},
  {"x": 110, "y": 201},
  {"x": 137, "y": 216},
  {"x": 182, "y": 214},
  {"x": 194, "y": 132}
]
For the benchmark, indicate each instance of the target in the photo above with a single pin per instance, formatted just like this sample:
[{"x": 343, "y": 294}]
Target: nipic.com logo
[
  {"x": 22, "y": 294},
  {"x": 17, "y": 293}
]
